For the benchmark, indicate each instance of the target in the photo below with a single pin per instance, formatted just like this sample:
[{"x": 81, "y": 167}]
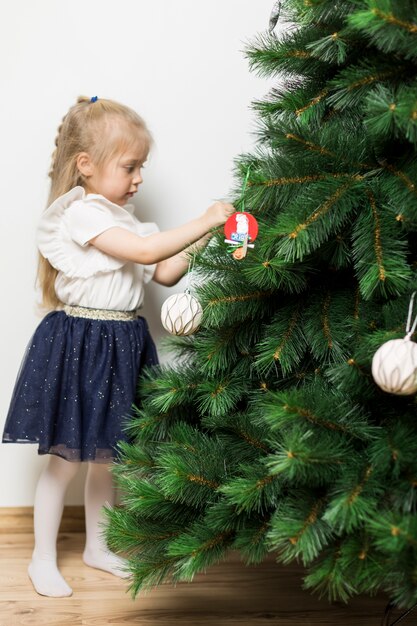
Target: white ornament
[
  {"x": 181, "y": 314},
  {"x": 394, "y": 366}
]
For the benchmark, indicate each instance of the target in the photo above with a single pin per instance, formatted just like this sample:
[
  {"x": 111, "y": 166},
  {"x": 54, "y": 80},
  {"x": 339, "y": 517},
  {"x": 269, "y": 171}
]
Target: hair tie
[{"x": 94, "y": 99}]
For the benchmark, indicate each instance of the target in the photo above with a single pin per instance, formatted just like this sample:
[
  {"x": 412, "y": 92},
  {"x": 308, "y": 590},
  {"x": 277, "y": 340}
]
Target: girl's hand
[{"x": 218, "y": 213}]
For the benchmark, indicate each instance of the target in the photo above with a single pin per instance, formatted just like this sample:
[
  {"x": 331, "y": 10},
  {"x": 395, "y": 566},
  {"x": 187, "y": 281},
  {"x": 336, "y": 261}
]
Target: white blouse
[{"x": 86, "y": 275}]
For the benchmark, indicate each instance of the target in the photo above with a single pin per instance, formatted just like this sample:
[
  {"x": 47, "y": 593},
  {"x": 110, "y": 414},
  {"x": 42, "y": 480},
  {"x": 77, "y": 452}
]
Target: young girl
[{"x": 78, "y": 379}]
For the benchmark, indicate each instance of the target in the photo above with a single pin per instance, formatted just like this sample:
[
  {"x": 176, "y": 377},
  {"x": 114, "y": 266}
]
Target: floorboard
[{"x": 229, "y": 593}]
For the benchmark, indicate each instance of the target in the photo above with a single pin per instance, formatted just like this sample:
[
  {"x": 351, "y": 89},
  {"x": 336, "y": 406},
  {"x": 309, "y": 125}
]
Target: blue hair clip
[{"x": 94, "y": 99}]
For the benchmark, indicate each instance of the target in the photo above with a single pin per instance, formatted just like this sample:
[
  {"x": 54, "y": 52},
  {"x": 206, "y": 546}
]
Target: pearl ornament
[
  {"x": 181, "y": 314},
  {"x": 394, "y": 366}
]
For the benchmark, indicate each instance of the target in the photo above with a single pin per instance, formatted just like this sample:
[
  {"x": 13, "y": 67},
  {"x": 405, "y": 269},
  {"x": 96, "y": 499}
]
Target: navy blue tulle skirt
[{"x": 76, "y": 386}]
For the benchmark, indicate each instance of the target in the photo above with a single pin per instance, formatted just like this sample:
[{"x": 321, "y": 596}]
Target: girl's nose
[{"x": 137, "y": 178}]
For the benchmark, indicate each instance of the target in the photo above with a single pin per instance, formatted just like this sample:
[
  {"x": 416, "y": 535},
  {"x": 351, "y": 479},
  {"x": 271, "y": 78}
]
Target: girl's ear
[{"x": 85, "y": 164}]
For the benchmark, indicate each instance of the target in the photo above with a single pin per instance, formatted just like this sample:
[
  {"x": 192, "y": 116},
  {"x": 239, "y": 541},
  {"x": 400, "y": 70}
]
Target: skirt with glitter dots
[{"x": 77, "y": 384}]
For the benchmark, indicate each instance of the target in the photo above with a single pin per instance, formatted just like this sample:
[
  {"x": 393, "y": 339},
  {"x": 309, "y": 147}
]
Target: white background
[{"x": 180, "y": 64}]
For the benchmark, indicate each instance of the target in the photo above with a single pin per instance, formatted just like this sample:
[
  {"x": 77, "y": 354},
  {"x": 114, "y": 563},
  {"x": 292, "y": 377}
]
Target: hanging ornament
[
  {"x": 274, "y": 17},
  {"x": 181, "y": 313},
  {"x": 394, "y": 366},
  {"x": 241, "y": 228}
]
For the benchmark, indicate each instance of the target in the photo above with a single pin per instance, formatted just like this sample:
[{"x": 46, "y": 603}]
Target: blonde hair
[{"x": 103, "y": 129}]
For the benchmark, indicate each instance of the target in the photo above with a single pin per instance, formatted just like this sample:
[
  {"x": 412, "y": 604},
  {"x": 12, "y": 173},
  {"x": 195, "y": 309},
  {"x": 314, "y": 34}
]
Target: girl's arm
[
  {"x": 123, "y": 244},
  {"x": 170, "y": 271}
]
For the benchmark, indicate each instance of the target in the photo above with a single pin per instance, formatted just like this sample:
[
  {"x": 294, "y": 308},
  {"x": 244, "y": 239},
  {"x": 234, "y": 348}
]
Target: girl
[{"x": 79, "y": 376}]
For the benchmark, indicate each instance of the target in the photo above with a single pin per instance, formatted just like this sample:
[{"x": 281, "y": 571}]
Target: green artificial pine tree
[{"x": 268, "y": 433}]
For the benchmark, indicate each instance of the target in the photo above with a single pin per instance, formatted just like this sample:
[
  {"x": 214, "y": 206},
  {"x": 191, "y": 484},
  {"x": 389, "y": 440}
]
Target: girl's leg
[
  {"x": 99, "y": 492},
  {"x": 49, "y": 504}
]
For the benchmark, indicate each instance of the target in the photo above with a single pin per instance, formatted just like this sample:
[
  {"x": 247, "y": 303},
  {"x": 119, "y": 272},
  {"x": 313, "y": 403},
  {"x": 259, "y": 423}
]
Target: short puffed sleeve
[
  {"x": 67, "y": 225},
  {"x": 87, "y": 220},
  {"x": 75, "y": 218}
]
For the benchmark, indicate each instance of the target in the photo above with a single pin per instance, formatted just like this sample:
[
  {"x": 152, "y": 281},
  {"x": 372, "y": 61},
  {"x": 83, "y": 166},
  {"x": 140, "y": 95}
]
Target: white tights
[{"x": 49, "y": 504}]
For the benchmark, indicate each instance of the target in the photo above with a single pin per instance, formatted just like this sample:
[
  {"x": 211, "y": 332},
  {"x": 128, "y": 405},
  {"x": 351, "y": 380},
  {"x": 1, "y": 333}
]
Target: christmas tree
[{"x": 268, "y": 432}]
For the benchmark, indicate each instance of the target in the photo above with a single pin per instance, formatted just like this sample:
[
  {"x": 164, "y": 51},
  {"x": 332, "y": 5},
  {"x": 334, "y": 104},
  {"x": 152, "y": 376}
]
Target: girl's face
[{"x": 119, "y": 178}]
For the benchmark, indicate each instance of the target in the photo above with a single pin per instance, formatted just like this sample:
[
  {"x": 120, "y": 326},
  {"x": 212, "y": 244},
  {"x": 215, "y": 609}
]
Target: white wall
[{"x": 180, "y": 64}]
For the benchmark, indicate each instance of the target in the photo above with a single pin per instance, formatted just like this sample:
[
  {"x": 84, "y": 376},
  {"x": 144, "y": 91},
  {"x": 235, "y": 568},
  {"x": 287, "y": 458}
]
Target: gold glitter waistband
[{"x": 100, "y": 314}]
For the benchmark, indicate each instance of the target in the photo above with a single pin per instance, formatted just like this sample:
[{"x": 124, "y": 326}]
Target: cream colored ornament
[
  {"x": 394, "y": 366},
  {"x": 181, "y": 314}
]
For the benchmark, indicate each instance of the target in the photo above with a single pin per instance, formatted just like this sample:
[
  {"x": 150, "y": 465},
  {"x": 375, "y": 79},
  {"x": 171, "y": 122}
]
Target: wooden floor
[{"x": 230, "y": 594}]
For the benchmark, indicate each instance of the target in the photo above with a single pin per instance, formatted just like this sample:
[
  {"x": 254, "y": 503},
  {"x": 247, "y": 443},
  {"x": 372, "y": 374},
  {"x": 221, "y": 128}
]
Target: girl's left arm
[{"x": 170, "y": 271}]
